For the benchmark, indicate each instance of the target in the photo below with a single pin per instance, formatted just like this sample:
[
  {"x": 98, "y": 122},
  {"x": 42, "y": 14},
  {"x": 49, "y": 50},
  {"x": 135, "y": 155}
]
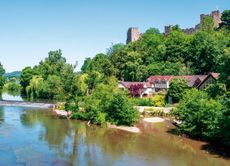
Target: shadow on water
[{"x": 208, "y": 147}]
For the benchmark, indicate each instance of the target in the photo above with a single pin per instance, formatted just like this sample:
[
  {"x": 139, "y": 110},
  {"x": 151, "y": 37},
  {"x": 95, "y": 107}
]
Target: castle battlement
[
  {"x": 133, "y": 33},
  {"x": 216, "y": 15}
]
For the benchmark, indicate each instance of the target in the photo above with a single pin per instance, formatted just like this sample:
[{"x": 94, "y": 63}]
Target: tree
[
  {"x": 35, "y": 87},
  {"x": 121, "y": 111},
  {"x": 223, "y": 134},
  {"x": 204, "y": 52},
  {"x": 136, "y": 89},
  {"x": 225, "y": 18},
  {"x": 224, "y": 68},
  {"x": 216, "y": 90},
  {"x": 93, "y": 79},
  {"x": 79, "y": 85},
  {"x": 25, "y": 77},
  {"x": 2, "y": 72},
  {"x": 52, "y": 65},
  {"x": 168, "y": 68},
  {"x": 54, "y": 88},
  {"x": 177, "y": 88},
  {"x": 176, "y": 46},
  {"x": 152, "y": 31},
  {"x": 198, "y": 115}
]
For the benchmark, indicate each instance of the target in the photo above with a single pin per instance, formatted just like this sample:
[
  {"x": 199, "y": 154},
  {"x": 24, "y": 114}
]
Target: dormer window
[
  {"x": 156, "y": 82},
  {"x": 164, "y": 81}
]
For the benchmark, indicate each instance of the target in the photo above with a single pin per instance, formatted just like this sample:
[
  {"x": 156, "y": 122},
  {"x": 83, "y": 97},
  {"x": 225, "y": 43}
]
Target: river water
[{"x": 33, "y": 137}]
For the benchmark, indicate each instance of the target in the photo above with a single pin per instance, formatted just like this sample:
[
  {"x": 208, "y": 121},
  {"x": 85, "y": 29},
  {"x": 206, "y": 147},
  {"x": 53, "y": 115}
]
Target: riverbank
[{"x": 132, "y": 129}]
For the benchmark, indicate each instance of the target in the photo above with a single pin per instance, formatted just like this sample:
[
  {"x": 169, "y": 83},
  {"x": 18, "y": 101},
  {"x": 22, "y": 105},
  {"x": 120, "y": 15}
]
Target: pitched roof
[
  {"x": 128, "y": 84},
  {"x": 214, "y": 75},
  {"x": 191, "y": 79}
]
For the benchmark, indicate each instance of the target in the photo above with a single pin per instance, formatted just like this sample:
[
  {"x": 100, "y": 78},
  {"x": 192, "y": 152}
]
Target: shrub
[
  {"x": 121, "y": 111},
  {"x": 71, "y": 106},
  {"x": 216, "y": 90},
  {"x": 158, "y": 100},
  {"x": 141, "y": 101},
  {"x": 199, "y": 114},
  {"x": 60, "y": 106}
]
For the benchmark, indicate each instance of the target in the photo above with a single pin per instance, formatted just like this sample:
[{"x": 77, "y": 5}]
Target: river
[{"x": 31, "y": 137}]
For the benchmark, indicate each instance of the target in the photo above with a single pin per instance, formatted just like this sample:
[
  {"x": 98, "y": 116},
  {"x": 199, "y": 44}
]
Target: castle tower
[
  {"x": 216, "y": 15},
  {"x": 168, "y": 29},
  {"x": 133, "y": 34}
]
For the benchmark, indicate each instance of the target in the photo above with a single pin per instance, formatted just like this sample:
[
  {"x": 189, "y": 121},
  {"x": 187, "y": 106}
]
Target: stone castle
[{"x": 133, "y": 33}]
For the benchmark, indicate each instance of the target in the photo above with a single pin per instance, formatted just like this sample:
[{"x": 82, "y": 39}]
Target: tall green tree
[
  {"x": 177, "y": 88},
  {"x": 225, "y": 18},
  {"x": 176, "y": 46},
  {"x": 25, "y": 77},
  {"x": 204, "y": 52},
  {"x": 2, "y": 72}
]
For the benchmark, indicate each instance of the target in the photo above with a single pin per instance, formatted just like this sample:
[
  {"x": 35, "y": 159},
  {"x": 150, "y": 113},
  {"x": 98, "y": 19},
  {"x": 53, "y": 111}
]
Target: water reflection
[{"x": 52, "y": 141}]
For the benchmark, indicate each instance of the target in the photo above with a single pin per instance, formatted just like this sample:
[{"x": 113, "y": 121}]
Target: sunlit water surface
[{"x": 33, "y": 137}]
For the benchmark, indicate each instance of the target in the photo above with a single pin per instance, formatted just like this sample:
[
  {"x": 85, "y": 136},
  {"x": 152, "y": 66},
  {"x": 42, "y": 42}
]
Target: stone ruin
[
  {"x": 216, "y": 15},
  {"x": 133, "y": 33}
]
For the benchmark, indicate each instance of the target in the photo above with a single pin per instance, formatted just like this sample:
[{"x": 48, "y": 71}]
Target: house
[{"x": 155, "y": 84}]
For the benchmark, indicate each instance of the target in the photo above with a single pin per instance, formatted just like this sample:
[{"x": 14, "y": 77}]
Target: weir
[{"x": 26, "y": 104}]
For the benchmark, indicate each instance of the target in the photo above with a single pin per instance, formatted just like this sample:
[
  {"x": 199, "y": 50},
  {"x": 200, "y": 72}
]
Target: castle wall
[
  {"x": 216, "y": 15},
  {"x": 133, "y": 34}
]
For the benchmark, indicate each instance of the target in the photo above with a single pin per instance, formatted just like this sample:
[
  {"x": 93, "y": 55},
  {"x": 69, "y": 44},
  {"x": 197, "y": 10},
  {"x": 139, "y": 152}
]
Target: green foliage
[
  {"x": 224, "y": 68},
  {"x": 71, "y": 105},
  {"x": 35, "y": 87},
  {"x": 25, "y": 77},
  {"x": 223, "y": 134},
  {"x": 2, "y": 80},
  {"x": 198, "y": 114},
  {"x": 176, "y": 46},
  {"x": 225, "y": 17},
  {"x": 121, "y": 111},
  {"x": 207, "y": 24},
  {"x": 204, "y": 118},
  {"x": 204, "y": 52},
  {"x": 158, "y": 100},
  {"x": 12, "y": 87},
  {"x": 177, "y": 89},
  {"x": 168, "y": 68},
  {"x": 51, "y": 79},
  {"x": 216, "y": 90},
  {"x": 141, "y": 101}
]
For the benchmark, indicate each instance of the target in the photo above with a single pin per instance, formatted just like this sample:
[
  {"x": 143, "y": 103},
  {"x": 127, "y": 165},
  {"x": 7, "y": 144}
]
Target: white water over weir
[{"x": 26, "y": 104}]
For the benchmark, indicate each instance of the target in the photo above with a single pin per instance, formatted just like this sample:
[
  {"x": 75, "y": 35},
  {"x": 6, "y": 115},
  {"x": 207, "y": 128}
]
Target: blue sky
[{"x": 29, "y": 29}]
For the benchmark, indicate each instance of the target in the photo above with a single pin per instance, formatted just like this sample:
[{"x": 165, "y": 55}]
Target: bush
[
  {"x": 60, "y": 106},
  {"x": 216, "y": 90},
  {"x": 177, "y": 89},
  {"x": 71, "y": 106},
  {"x": 158, "y": 100},
  {"x": 141, "y": 101},
  {"x": 199, "y": 115},
  {"x": 121, "y": 111}
]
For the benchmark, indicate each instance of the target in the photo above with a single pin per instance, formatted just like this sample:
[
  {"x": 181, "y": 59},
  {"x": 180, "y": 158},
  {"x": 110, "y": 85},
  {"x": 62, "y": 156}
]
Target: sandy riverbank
[
  {"x": 154, "y": 120},
  {"x": 125, "y": 128}
]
